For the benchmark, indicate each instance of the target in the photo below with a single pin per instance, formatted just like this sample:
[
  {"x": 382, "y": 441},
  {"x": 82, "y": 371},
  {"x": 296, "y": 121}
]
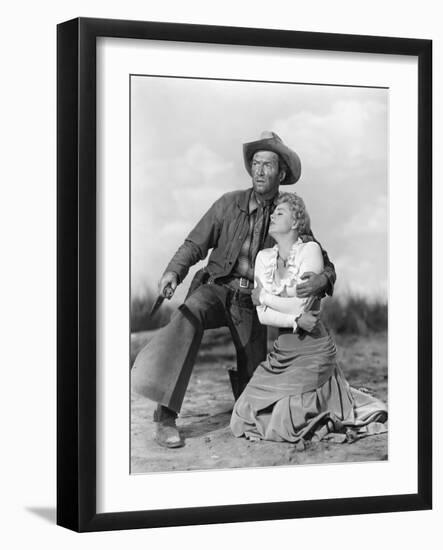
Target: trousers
[{"x": 162, "y": 369}]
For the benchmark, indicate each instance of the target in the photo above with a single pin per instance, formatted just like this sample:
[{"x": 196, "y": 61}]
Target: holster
[{"x": 200, "y": 278}]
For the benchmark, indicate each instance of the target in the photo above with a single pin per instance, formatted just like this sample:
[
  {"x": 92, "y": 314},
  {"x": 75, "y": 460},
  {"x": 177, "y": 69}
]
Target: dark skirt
[{"x": 299, "y": 389}]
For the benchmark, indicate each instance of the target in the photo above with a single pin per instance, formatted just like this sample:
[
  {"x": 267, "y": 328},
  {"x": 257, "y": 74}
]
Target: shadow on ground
[{"x": 204, "y": 419}]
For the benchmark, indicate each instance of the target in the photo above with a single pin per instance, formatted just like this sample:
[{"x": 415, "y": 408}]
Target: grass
[
  {"x": 140, "y": 313},
  {"x": 349, "y": 315},
  {"x": 355, "y": 315}
]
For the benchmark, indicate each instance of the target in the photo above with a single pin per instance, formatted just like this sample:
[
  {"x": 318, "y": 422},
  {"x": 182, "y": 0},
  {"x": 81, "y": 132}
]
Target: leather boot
[
  {"x": 237, "y": 384},
  {"x": 166, "y": 432}
]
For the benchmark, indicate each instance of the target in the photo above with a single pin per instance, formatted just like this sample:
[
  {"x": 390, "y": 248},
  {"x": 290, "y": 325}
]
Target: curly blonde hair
[{"x": 298, "y": 209}]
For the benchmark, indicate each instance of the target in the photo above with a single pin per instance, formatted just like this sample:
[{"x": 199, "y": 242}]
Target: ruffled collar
[{"x": 292, "y": 270}]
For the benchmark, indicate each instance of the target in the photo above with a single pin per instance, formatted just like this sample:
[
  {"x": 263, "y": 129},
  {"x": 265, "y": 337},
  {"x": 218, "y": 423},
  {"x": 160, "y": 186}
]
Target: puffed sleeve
[
  {"x": 311, "y": 260},
  {"x": 266, "y": 315},
  {"x": 260, "y": 266},
  {"x": 272, "y": 318}
]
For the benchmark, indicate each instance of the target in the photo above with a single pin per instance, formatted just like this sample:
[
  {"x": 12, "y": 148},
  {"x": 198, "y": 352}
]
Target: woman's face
[{"x": 282, "y": 220}]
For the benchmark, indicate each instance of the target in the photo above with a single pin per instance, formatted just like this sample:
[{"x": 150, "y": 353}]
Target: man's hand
[
  {"x": 308, "y": 320},
  {"x": 168, "y": 284},
  {"x": 314, "y": 285},
  {"x": 255, "y": 294}
]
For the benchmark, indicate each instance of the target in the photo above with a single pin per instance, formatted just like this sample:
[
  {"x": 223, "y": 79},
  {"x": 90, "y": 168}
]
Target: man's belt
[
  {"x": 238, "y": 283},
  {"x": 245, "y": 283}
]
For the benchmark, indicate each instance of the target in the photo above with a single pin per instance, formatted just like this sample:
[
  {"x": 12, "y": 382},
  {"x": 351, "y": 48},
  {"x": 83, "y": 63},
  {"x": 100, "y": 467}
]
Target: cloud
[
  {"x": 369, "y": 219},
  {"x": 183, "y": 188},
  {"x": 350, "y": 133},
  {"x": 186, "y": 152},
  {"x": 365, "y": 275}
]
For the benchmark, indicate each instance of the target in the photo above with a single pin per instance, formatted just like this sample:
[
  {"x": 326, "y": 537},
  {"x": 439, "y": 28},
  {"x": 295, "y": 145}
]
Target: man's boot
[
  {"x": 237, "y": 383},
  {"x": 166, "y": 432}
]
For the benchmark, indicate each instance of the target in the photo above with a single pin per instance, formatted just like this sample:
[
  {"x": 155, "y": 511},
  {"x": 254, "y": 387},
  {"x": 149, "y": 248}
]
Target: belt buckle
[{"x": 244, "y": 283}]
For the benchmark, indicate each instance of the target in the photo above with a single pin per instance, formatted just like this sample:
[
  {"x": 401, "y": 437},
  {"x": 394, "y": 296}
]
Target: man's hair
[
  {"x": 298, "y": 209},
  {"x": 282, "y": 165}
]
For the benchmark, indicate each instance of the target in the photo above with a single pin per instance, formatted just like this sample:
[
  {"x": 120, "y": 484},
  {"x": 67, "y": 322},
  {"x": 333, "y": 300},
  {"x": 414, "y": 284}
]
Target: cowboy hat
[{"x": 270, "y": 141}]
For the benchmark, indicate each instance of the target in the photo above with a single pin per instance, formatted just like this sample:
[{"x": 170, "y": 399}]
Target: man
[{"x": 236, "y": 228}]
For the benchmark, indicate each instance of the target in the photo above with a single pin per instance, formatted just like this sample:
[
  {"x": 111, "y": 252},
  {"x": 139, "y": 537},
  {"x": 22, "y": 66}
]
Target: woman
[{"x": 299, "y": 392}]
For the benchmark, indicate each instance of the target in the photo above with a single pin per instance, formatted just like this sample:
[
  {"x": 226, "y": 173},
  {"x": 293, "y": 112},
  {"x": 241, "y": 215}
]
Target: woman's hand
[
  {"x": 308, "y": 321},
  {"x": 256, "y": 293}
]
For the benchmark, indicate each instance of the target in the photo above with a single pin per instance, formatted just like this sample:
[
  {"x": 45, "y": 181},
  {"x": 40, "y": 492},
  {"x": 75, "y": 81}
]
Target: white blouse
[{"x": 275, "y": 310}]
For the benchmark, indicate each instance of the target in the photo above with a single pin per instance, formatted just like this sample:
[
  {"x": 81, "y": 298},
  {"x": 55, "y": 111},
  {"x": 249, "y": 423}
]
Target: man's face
[{"x": 265, "y": 173}]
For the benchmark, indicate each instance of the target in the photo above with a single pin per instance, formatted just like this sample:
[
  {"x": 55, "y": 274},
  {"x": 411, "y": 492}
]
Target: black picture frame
[{"x": 76, "y": 279}]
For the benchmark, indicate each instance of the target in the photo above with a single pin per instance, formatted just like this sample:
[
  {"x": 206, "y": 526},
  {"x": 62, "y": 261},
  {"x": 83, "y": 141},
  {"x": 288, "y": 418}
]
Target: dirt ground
[{"x": 204, "y": 419}]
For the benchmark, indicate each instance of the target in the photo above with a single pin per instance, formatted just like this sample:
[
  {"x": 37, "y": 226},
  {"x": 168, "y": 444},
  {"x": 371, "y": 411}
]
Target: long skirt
[{"x": 299, "y": 390}]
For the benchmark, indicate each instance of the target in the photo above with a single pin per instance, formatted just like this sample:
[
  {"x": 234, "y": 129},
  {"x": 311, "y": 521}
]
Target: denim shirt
[{"x": 223, "y": 229}]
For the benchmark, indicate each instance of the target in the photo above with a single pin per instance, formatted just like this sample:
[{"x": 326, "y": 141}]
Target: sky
[{"x": 186, "y": 151}]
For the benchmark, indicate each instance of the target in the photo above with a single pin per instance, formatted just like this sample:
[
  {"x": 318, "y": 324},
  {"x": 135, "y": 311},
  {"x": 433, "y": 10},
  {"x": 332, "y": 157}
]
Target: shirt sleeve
[
  {"x": 292, "y": 305},
  {"x": 328, "y": 270},
  {"x": 267, "y": 315},
  {"x": 197, "y": 244},
  {"x": 272, "y": 318},
  {"x": 311, "y": 260}
]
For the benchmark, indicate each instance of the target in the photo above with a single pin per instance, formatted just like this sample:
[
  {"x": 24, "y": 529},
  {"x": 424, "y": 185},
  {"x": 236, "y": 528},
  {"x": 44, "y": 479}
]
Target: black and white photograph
[
  {"x": 258, "y": 274},
  {"x": 221, "y": 275}
]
